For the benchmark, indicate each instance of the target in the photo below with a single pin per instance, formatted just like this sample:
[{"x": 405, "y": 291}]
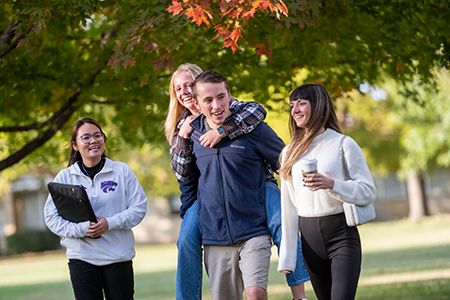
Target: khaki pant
[{"x": 234, "y": 267}]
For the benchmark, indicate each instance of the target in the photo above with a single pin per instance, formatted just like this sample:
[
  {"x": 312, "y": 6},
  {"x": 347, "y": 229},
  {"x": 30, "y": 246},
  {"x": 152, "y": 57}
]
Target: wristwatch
[{"x": 221, "y": 131}]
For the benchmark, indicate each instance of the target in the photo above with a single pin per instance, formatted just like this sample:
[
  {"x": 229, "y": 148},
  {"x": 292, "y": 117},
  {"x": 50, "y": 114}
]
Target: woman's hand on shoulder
[
  {"x": 318, "y": 182},
  {"x": 186, "y": 129}
]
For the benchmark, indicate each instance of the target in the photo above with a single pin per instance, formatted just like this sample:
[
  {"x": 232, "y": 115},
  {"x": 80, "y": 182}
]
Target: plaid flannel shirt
[{"x": 251, "y": 115}]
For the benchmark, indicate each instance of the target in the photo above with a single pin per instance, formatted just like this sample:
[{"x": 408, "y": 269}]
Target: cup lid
[{"x": 308, "y": 160}]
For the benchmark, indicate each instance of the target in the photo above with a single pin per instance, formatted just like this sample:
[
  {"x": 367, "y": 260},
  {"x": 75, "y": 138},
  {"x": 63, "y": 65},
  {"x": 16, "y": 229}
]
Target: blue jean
[
  {"x": 190, "y": 251},
  {"x": 189, "y": 270},
  {"x": 273, "y": 211}
]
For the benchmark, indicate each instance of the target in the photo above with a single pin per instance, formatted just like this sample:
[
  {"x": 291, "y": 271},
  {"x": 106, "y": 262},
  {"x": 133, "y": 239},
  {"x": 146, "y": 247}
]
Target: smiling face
[
  {"x": 182, "y": 83},
  {"x": 214, "y": 101},
  {"x": 91, "y": 153},
  {"x": 301, "y": 112}
]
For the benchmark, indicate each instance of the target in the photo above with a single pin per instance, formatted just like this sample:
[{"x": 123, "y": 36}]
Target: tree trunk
[{"x": 417, "y": 198}]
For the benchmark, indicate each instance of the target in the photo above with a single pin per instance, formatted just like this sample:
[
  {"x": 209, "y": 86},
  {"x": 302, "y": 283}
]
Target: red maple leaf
[
  {"x": 113, "y": 61},
  {"x": 152, "y": 45},
  {"x": 224, "y": 6},
  {"x": 23, "y": 42},
  {"x": 189, "y": 12},
  {"x": 222, "y": 30},
  {"x": 163, "y": 63},
  {"x": 265, "y": 4},
  {"x": 283, "y": 8},
  {"x": 135, "y": 40},
  {"x": 232, "y": 44},
  {"x": 264, "y": 49},
  {"x": 198, "y": 14},
  {"x": 176, "y": 8},
  {"x": 235, "y": 34},
  {"x": 128, "y": 60},
  {"x": 249, "y": 14}
]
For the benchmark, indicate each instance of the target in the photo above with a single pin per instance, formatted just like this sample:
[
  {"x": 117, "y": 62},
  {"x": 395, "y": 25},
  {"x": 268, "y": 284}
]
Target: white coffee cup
[{"x": 308, "y": 166}]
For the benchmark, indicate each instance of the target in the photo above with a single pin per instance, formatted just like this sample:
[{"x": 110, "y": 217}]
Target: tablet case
[{"x": 72, "y": 202}]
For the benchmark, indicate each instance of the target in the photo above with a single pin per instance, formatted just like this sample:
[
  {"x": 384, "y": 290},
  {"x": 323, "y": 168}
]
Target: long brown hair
[
  {"x": 322, "y": 116},
  {"x": 75, "y": 155},
  {"x": 175, "y": 107}
]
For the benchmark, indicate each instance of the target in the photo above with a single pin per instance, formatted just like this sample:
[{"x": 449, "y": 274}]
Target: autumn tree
[
  {"x": 404, "y": 136},
  {"x": 112, "y": 60},
  {"x": 423, "y": 125}
]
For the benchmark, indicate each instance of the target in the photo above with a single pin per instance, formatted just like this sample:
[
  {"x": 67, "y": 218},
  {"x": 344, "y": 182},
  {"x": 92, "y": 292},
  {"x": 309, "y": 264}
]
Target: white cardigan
[{"x": 297, "y": 200}]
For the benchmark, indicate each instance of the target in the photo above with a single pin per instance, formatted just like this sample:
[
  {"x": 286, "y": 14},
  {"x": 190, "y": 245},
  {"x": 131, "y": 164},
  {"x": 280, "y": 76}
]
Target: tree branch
[
  {"x": 52, "y": 119},
  {"x": 24, "y": 128},
  {"x": 56, "y": 122},
  {"x": 114, "y": 101},
  {"x": 7, "y": 37}
]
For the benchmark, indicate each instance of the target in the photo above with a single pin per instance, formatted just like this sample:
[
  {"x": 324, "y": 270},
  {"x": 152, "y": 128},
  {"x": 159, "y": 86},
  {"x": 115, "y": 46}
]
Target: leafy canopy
[{"x": 112, "y": 60}]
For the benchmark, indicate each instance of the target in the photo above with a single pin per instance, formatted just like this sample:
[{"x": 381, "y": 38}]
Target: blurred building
[{"x": 392, "y": 197}]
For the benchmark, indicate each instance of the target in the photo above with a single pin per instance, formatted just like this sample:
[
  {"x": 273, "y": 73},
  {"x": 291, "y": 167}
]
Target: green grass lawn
[{"x": 401, "y": 260}]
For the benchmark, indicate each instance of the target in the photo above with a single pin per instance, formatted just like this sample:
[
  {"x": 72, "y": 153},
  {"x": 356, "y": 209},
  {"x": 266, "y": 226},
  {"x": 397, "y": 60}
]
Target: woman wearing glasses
[{"x": 99, "y": 253}]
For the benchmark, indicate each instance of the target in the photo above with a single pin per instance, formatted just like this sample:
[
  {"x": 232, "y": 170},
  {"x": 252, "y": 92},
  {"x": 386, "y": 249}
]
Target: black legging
[{"x": 332, "y": 255}]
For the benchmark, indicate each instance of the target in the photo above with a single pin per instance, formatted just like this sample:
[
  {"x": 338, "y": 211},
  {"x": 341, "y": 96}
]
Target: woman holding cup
[{"x": 313, "y": 190}]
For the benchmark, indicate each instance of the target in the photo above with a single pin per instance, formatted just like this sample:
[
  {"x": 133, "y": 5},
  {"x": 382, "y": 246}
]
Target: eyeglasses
[{"x": 87, "y": 138}]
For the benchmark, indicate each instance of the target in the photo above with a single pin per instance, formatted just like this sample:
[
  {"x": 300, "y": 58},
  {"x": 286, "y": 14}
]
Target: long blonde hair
[
  {"x": 322, "y": 116},
  {"x": 175, "y": 107}
]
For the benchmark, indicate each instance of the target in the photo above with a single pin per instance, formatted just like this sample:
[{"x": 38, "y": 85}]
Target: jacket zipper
[{"x": 223, "y": 197}]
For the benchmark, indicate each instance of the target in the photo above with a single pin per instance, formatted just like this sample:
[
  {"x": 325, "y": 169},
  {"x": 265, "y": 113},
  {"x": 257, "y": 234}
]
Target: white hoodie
[{"x": 116, "y": 194}]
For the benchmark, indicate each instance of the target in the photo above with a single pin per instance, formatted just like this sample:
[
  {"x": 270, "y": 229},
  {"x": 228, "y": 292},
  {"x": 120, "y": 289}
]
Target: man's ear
[{"x": 196, "y": 104}]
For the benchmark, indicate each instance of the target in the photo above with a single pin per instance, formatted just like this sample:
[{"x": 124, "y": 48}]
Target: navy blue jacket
[
  {"x": 188, "y": 189},
  {"x": 231, "y": 188}
]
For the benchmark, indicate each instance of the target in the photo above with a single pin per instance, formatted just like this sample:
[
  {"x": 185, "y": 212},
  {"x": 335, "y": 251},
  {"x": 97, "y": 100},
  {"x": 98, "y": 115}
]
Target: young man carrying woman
[{"x": 181, "y": 113}]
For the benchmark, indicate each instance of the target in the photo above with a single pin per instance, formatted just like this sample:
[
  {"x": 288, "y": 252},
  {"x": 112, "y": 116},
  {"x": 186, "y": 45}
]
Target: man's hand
[
  {"x": 286, "y": 272},
  {"x": 97, "y": 229},
  {"x": 186, "y": 129},
  {"x": 210, "y": 139}
]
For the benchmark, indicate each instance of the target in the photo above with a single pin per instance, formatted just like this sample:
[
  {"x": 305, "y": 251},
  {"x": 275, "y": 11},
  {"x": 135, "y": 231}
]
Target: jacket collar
[
  {"x": 199, "y": 122},
  {"x": 108, "y": 167}
]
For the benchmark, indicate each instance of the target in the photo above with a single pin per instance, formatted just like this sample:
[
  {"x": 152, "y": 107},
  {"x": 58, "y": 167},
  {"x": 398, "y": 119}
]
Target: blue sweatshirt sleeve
[{"x": 188, "y": 189}]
